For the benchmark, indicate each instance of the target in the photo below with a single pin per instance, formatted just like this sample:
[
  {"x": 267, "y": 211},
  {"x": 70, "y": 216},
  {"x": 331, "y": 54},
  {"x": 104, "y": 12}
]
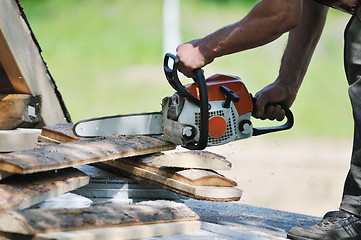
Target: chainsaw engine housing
[{"x": 229, "y": 113}]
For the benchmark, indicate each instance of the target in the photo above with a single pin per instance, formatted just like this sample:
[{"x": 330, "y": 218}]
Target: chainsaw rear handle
[
  {"x": 288, "y": 125},
  {"x": 172, "y": 77}
]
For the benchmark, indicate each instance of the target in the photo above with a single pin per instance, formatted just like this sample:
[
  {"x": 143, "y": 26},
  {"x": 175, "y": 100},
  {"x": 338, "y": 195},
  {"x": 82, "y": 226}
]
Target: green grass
[{"x": 106, "y": 58}]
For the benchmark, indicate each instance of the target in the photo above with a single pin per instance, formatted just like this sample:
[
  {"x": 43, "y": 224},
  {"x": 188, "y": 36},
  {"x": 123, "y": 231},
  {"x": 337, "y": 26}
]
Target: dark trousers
[{"x": 351, "y": 200}]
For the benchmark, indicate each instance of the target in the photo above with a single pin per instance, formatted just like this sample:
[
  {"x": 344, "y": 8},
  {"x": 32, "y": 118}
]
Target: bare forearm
[
  {"x": 301, "y": 45},
  {"x": 268, "y": 20}
]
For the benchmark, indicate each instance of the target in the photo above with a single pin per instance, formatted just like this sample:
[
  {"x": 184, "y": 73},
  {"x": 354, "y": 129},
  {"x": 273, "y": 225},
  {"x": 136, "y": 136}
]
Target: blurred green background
[{"x": 106, "y": 58}]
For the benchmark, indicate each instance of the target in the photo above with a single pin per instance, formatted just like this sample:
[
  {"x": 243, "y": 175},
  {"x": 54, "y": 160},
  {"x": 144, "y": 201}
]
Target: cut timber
[
  {"x": 195, "y": 177},
  {"x": 91, "y": 150},
  {"x": 163, "y": 178},
  {"x": 22, "y": 191},
  {"x": 123, "y": 233},
  {"x": 59, "y": 133},
  {"x": 21, "y": 60},
  {"x": 34, "y": 221},
  {"x": 19, "y": 110},
  {"x": 192, "y": 159},
  {"x": 19, "y": 139}
]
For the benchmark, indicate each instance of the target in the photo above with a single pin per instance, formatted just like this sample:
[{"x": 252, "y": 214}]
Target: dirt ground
[{"x": 292, "y": 174}]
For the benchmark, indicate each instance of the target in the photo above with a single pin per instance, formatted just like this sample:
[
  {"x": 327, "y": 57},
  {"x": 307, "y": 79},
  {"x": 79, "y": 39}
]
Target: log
[
  {"x": 59, "y": 133},
  {"x": 19, "y": 110},
  {"x": 51, "y": 157},
  {"x": 18, "y": 139},
  {"x": 192, "y": 159},
  {"x": 35, "y": 221},
  {"x": 22, "y": 191},
  {"x": 143, "y": 172}
]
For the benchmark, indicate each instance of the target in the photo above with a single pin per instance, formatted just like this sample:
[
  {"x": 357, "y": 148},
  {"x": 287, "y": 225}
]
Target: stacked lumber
[
  {"x": 101, "y": 221},
  {"x": 48, "y": 171}
]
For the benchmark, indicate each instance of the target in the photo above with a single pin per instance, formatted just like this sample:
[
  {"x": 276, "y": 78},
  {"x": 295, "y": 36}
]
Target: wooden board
[
  {"x": 18, "y": 139},
  {"x": 123, "y": 233},
  {"x": 192, "y": 159},
  {"x": 57, "y": 156},
  {"x": 154, "y": 175},
  {"x": 195, "y": 177},
  {"x": 4, "y": 174},
  {"x": 34, "y": 221},
  {"x": 19, "y": 110},
  {"x": 59, "y": 133},
  {"x": 22, "y": 191},
  {"x": 26, "y": 69}
]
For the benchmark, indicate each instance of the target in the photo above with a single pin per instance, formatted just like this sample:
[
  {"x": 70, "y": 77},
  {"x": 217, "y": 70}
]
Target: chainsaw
[{"x": 209, "y": 112}]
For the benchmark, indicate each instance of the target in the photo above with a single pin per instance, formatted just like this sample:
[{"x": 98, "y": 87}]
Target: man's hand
[
  {"x": 269, "y": 100},
  {"x": 190, "y": 58}
]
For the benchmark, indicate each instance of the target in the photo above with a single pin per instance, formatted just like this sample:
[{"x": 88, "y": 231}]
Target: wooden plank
[
  {"x": 26, "y": 69},
  {"x": 22, "y": 191},
  {"x": 60, "y": 132},
  {"x": 124, "y": 233},
  {"x": 86, "y": 151},
  {"x": 18, "y": 139},
  {"x": 149, "y": 174},
  {"x": 19, "y": 110},
  {"x": 193, "y": 159},
  {"x": 195, "y": 177},
  {"x": 34, "y": 221}
]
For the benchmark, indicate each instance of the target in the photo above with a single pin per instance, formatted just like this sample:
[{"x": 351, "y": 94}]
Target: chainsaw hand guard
[{"x": 172, "y": 77}]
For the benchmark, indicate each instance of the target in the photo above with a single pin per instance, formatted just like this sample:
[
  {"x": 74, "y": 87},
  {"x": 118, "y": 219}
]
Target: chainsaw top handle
[
  {"x": 172, "y": 77},
  {"x": 289, "y": 123}
]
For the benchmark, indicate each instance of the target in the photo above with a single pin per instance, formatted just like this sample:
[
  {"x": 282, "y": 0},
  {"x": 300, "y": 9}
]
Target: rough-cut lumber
[
  {"x": 5, "y": 84},
  {"x": 18, "y": 139},
  {"x": 22, "y": 191},
  {"x": 19, "y": 110},
  {"x": 23, "y": 64},
  {"x": 143, "y": 172},
  {"x": 34, "y": 221},
  {"x": 124, "y": 233},
  {"x": 192, "y": 159},
  {"x": 195, "y": 177},
  {"x": 60, "y": 133},
  {"x": 81, "y": 152}
]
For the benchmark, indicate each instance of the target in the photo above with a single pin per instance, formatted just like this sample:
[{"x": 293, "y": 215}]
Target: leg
[
  {"x": 351, "y": 201},
  {"x": 346, "y": 223}
]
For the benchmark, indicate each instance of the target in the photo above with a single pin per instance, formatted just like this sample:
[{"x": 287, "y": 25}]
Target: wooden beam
[
  {"x": 19, "y": 139},
  {"x": 192, "y": 159},
  {"x": 23, "y": 64},
  {"x": 35, "y": 221},
  {"x": 23, "y": 191},
  {"x": 19, "y": 110},
  {"x": 51, "y": 157}
]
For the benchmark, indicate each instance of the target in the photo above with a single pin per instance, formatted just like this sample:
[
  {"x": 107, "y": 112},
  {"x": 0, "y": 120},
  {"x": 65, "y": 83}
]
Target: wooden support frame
[{"x": 24, "y": 67}]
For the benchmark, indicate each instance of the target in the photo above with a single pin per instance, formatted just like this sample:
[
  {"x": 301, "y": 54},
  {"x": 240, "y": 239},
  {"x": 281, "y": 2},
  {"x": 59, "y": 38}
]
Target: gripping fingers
[{"x": 273, "y": 112}]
